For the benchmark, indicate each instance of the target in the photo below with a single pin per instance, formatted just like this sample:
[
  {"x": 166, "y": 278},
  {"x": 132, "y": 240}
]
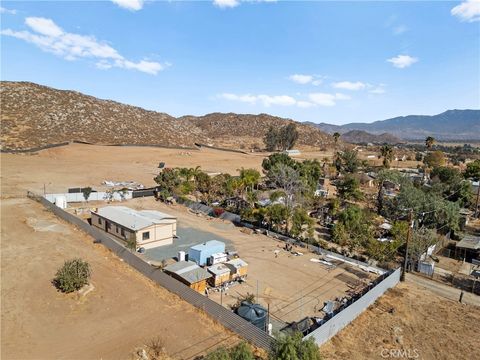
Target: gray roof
[
  {"x": 134, "y": 219},
  {"x": 208, "y": 244},
  {"x": 218, "y": 269},
  {"x": 237, "y": 263},
  {"x": 469, "y": 242},
  {"x": 189, "y": 271}
]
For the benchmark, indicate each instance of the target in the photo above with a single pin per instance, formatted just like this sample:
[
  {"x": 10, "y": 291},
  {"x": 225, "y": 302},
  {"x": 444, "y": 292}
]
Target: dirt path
[
  {"x": 445, "y": 291},
  {"x": 124, "y": 311}
]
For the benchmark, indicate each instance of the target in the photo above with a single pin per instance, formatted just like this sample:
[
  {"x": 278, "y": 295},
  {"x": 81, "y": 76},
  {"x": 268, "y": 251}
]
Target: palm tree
[
  {"x": 387, "y": 153},
  {"x": 336, "y": 136},
  {"x": 429, "y": 141}
]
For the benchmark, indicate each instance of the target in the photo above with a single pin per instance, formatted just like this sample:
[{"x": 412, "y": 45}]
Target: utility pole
[
  {"x": 409, "y": 234},
  {"x": 478, "y": 196}
]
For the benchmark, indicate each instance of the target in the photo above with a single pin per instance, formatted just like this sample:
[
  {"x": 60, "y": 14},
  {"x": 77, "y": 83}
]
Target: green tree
[
  {"x": 347, "y": 161},
  {"x": 349, "y": 188},
  {"x": 354, "y": 228},
  {"x": 473, "y": 170},
  {"x": 288, "y": 136},
  {"x": 434, "y": 159},
  {"x": 387, "y": 153},
  {"x": 294, "y": 347},
  {"x": 271, "y": 138},
  {"x": 86, "y": 192},
  {"x": 422, "y": 239},
  {"x": 336, "y": 136},
  {"x": 429, "y": 141},
  {"x": 72, "y": 275},
  {"x": 301, "y": 223}
]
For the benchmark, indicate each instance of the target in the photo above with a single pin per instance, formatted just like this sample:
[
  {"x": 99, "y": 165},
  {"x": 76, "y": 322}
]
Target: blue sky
[{"x": 333, "y": 62}]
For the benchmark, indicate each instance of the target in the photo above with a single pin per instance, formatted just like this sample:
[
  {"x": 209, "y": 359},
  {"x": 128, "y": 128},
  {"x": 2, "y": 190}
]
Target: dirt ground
[
  {"x": 409, "y": 322},
  {"x": 293, "y": 286},
  {"x": 125, "y": 310}
]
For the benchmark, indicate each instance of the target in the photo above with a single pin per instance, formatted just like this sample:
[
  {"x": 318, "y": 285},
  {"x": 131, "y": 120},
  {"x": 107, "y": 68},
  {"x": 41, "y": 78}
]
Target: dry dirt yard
[
  {"x": 293, "y": 286},
  {"x": 422, "y": 325},
  {"x": 124, "y": 311}
]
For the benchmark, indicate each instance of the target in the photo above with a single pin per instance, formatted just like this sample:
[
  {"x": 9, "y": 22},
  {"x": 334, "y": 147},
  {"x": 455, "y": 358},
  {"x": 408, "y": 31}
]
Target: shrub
[{"x": 72, "y": 275}]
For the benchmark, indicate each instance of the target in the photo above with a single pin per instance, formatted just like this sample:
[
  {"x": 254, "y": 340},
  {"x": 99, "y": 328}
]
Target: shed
[
  {"x": 469, "y": 246},
  {"x": 221, "y": 274},
  {"x": 190, "y": 274},
  {"x": 238, "y": 268},
  {"x": 201, "y": 252}
]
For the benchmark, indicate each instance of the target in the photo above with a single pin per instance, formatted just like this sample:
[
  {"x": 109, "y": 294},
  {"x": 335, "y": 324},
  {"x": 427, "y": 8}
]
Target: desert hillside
[
  {"x": 363, "y": 137},
  {"x": 33, "y": 115}
]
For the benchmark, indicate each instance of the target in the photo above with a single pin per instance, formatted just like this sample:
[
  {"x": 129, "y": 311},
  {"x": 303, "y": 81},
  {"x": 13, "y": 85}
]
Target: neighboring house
[
  {"x": 202, "y": 252},
  {"x": 149, "y": 228},
  {"x": 236, "y": 203},
  {"x": 190, "y": 274},
  {"x": 365, "y": 180},
  {"x": 292, "y": 152}
]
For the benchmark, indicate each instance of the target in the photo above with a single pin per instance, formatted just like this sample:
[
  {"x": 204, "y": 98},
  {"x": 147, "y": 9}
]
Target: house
[
  {"x": 238, "y": 269},
  {"x": 236, "y": 203},
  {"x": 292, "y": 152},
  {"x": 365, "y": 180},
  {"x": 221, "y": 274},
  {"x": 202, "y": 252},
  {"x": 148, "y": 228},
  {"x": 190, "y": 274}
]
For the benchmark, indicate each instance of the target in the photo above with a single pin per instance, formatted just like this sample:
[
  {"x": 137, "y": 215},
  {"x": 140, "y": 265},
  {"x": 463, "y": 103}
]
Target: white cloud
[
  {"x": 305, "y": 79},
  {"x": 380, "y": 89},
  {"x": 324, "y": 99},
  {"x": 402, "y": 61},
  {"x": 265, "y": 100},
  {"x": 7, "y": 11},
  {"x": 313, "y": 99},
  {"x": 467, "y": 11},
  {"x": 301, "y": 79},
  {"x": 234, "y": 3},
  {"x": 133, "y": 5},
  {"x": 400, "y": 29},
  {"x": 226, "y": 3},
  {"x": 49, "y": 37},
  {"x": 43, "y": 26},
  {"x": 349, "y": 85}
]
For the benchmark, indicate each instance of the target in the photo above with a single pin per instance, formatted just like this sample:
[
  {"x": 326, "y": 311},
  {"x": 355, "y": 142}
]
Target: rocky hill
[
  {"x": 363, "y": 137},
  {"x": 226, "y": 128},
  {"x": 33, "y": 115}
]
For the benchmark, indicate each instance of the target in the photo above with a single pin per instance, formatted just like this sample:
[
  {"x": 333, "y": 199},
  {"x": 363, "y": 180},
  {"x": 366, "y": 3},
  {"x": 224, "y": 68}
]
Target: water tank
[
  {"x": 254, "y": 313},
  {"x": 61, "y": 202},
  {"x": 181, "y": 256}
]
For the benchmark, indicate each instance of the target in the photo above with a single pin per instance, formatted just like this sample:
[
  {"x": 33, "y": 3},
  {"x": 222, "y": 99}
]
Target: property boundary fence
[
  {"x": 224, "y": 316},
  {"x": 341, "y": 319}
]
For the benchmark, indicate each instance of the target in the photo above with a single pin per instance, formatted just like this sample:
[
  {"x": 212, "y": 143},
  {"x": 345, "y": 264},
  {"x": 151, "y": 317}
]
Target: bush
[
  {"x": 72, "y": 275},
  {"x": 295, "y": 348},
  {"x": 239, "y": 352}
]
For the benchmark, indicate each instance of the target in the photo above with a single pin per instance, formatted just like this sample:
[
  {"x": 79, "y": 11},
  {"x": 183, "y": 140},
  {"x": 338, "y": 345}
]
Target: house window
[
  {"x": 146, "y": 235},
  {"x": 122, "y": 232},
  {"x": 109, "y": 226},
  {"x": 99, "y": 221},
  {"x": 116, "y": 229}
]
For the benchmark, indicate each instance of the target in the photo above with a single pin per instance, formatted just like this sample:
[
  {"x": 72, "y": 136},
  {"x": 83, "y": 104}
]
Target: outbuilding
[
  {"x": 221, "y": 274},
  {"x": 238, "y": 268},
  {"x": 201, "y": 252},
  {"x": 146, "y": 228},
  {"x": 190, "y": 274}
]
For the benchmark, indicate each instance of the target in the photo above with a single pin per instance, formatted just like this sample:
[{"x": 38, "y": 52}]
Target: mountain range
[{"x": 451, "y": 125}]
